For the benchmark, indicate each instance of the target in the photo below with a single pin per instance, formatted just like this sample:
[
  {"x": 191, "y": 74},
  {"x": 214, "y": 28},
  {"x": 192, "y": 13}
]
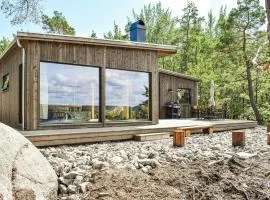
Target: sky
[
  {"x": 80, "y": 85},
  {"x": 99, "y": 15}
]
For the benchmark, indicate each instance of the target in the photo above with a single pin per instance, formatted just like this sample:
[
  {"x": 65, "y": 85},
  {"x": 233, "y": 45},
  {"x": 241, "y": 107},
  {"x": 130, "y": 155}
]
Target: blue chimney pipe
[{"x": 138, "y": 31}]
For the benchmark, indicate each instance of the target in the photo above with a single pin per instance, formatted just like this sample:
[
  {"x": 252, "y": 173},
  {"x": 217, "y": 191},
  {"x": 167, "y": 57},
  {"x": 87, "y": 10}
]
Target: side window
[
  {"x": 5, "y": 83},
  {"x": 184, "y": 95}
]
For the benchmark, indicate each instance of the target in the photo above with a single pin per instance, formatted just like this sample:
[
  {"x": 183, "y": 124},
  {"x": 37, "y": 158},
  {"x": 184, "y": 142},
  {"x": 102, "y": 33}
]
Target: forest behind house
[{"x": 232, "y": 49}]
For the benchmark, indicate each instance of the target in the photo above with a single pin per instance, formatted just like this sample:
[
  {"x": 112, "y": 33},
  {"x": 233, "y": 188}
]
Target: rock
[
  {"x": 24, "y": 171},
  {"x": 217, "y": 147},
  {"x": 244, "y": 155},
  {"x": 63, "y": 189},
  {"x": 83, "y": 187},
  {"x": 64, "y": 181},
  {"x": 103, "y": 194},
  {"x": 145, "y": 169},
  {"x": 123, "y": 154},
  {"x": 99, "y": 164},
  {"x": 116, "y": 160},
  {"x": 152, "y": 162},
  {"x": 73, "y": 197},
  {"x": 142, "y": 156},
  {"x": 72, "y": 189},
  {"x": 74, "y": 174}
]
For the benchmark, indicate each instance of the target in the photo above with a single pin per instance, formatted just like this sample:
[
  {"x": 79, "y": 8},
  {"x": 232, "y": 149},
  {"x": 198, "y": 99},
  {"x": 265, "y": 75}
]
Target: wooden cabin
[
  {"x": 171, "y": 82},
  {"x": 56, "y": 81}
]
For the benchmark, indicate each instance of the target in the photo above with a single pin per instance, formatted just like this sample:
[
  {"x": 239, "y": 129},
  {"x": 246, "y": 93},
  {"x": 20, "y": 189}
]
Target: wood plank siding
[
  {"x": 101, "y": 53},
  {"x": 173, "y": 81},
  {"x": 9, "y": 100},
  {"x": 88, "y": 55}
]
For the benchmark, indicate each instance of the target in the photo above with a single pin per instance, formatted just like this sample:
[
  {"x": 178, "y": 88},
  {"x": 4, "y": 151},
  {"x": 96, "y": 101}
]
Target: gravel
[{"x": 78, "y": 166}]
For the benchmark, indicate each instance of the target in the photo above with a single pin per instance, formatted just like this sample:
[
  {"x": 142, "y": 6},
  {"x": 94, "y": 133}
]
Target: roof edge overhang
[
  {"x": 171, "y": 73},
  {"x": 11, "y": 45},
  {"x": 163, "y": 50}
]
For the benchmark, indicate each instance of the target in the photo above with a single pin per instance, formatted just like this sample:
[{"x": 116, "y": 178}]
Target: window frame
[
  {"x": 149, "y": 98},
  {"x": 5, "y": 78},
  {"x": 99, "y": 93}
]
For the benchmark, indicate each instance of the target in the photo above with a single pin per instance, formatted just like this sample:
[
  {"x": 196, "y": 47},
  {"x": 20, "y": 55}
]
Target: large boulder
[{"x": 24, "y": 172}]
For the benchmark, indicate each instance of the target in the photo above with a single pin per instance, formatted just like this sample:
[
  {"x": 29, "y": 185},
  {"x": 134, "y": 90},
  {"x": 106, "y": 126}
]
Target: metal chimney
[{"x": 138, "y": 31}]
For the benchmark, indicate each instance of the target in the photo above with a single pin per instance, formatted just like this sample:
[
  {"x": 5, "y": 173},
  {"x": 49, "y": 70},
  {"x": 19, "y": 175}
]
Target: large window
[
  {"x": 68, "y": 93},
  {"x": 127, "y": 95}
]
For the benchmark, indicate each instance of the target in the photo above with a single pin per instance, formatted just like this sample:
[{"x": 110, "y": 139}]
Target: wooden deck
[{"x": 87, "y": 135}]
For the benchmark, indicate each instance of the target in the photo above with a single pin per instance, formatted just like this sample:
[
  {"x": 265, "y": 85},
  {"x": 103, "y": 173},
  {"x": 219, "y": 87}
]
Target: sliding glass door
[
  {"x": 68, "y": 93},
  {"x": 127, "y": 95}
]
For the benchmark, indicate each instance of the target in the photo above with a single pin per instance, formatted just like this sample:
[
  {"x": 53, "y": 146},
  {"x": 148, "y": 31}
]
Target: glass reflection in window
[
  {"x": 184, "y": 96},
  {"x": 68, "y": 93},
  {"x": 127, "y": 95}
]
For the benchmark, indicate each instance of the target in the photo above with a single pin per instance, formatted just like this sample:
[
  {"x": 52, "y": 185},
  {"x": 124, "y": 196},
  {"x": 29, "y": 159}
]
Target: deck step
[{"x": 151, "y": 136}]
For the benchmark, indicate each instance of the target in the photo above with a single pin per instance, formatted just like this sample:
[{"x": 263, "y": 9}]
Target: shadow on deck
[{"x": 88, "y": 135}]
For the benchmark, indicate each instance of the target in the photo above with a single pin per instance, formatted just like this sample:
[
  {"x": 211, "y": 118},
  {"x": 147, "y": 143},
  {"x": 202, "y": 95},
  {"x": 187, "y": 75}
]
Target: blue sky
[{"x": 99, "y": 15}]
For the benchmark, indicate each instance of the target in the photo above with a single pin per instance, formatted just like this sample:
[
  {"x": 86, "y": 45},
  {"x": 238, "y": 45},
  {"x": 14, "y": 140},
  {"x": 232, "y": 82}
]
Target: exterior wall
[
  {"x": 9, "y": 100},
  {"x": 118, "y": 58},
  {"x": 167, "y": 82}
]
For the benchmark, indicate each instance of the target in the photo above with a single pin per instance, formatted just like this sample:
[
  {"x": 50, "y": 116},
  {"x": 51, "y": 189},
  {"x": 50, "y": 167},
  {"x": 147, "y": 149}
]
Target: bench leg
[
  {"x": 208, "y": 130},
  {"x": 179, "y": 138},
  {"x": 187, "y": 133}
]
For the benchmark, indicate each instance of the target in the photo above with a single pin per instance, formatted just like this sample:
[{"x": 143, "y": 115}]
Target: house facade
[{"x": 55, "y": 81}]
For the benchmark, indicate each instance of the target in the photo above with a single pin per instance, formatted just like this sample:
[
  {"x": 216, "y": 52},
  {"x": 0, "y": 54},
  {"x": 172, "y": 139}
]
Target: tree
[
  {"x": 160, "y": 29},
  {"x": 190, "y": 27},
  {"x": 246, "y": 19},
  {"x": 116, "y": 34},
  {"x": 93, "y": 34},
  {"x": 57, "y": 24},
  {"x": 267, "y": 7},
  {"x": 4, "y": 43},
  {"x": 21, "y": 10}
]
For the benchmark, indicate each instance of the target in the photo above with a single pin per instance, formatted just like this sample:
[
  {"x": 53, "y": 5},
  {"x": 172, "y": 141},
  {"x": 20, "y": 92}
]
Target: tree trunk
[{"x": 251, "y": 95}]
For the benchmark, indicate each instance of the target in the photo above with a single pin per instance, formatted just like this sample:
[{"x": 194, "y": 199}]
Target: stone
[
  {"x": 244, "y": 155},
  {"x": 64, "y": 181},
  {"x": 24, "y": 171},
  {"x": 142, "y": 156},
  {"x": 72, "y": 189},
  {"x": 145, "y": 169},
  {"x": 83, "y": 187},
  {"x": 116, "y": 160},
  {"x": 99, "y": 164},
  {"x": 73, "y": 197},
  {"x": 63, "y": 189},
  {"x": 103, "y": 194},
  {"x": 73, "y": 174},
  {"x": 152, "y": 162}
]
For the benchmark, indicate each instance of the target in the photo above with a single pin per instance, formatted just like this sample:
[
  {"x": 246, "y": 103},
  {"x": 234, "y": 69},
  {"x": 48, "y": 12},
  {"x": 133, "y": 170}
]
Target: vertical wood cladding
[
  {"x": 89, "y": 55},
  {"x": 172, "y": 82},
  {"x": 9, "y": 100}
]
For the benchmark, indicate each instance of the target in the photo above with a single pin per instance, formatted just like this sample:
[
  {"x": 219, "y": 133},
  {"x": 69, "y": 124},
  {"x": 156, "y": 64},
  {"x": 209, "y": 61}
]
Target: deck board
[{"x": 87, "y": 135}]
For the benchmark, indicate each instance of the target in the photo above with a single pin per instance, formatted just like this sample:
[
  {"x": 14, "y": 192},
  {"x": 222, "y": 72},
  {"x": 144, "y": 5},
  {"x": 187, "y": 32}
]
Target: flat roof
[
  {"x": 163, "y": 50},
  {"x": 171, "y": 73}
]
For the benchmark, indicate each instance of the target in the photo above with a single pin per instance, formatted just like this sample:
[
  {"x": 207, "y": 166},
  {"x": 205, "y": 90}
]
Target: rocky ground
[{"x": 208, "y": 167}]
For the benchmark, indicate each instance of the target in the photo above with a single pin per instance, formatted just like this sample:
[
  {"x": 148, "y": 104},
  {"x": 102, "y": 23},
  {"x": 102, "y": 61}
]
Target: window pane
[
  {"x": 127, "y": 95},
  {"x": 68, "y": 93},
  {"x": 184, "y": 96}
]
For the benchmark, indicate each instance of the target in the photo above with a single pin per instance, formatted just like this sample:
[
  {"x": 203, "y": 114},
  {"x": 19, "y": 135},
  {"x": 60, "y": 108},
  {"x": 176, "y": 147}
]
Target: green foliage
[
  {"x": 116, "y": 34},
  {"x": 57, "y": 24},
  {"x": 212, "y": 49},
  {"x": 22, "y": 10},
  {"x": 4, "y": 43},
  {"x": 93, "y": 34}
]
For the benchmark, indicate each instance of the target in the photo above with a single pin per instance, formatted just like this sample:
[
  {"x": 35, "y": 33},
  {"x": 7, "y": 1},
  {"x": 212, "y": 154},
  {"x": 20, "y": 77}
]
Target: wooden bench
[{"x": 207, "y": 129}]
